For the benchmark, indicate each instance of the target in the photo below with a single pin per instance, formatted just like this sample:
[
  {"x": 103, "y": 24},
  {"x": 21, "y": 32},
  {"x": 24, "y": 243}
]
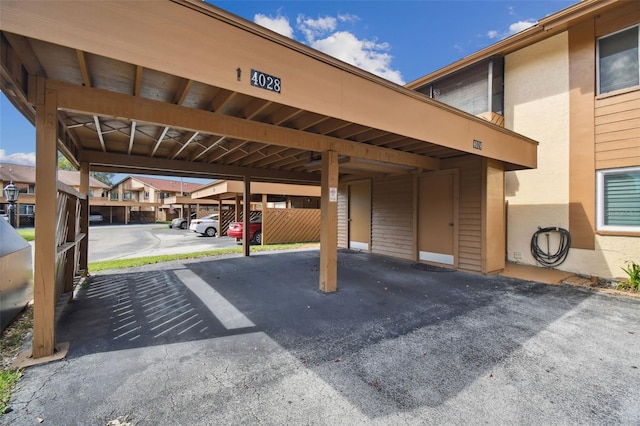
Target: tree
[{"x": 64, "y": 164}]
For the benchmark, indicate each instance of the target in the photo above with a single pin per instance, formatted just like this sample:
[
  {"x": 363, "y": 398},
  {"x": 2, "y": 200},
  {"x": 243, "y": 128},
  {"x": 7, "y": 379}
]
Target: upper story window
[
  {"x": 146, "y": 195},
  {"x": 618, "y": 60},
  {"x": 90, "y": 192},
  {"x": 126, "y": 196},
  {"x": 114, "y": 196},
  {"x": 618, "y": 205},
  {"x": 477, "y": 89}
]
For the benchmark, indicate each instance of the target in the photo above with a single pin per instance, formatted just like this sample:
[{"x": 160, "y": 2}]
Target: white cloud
[
  {"x": 323, "y": 34},
  {"x": 514, "y": 28},
  {"x": 520, "y": 26},
  {"x": 279, "y": 24},
  {"x": 314, "y": 28},
  {"x": 365, "y": 54},
  {"x": 23, "y": 158}
]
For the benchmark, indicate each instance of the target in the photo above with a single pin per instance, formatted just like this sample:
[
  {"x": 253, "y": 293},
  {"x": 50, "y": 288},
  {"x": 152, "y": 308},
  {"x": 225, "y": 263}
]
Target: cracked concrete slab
[{"x": 397, "y": 344}]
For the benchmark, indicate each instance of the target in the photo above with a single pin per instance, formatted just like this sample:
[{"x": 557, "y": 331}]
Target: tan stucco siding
[
  {"x": 392, "y": 217},
  {"x": 537, "y": 105}
]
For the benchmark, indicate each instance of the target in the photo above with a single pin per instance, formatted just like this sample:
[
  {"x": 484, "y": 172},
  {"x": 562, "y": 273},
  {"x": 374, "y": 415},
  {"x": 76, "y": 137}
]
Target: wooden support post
[
  {"x": 246, "y": 213},
  {"x": 44, "y": 308},
  {"x": 329, "y": 223},
  {"x": 265, "y": 212},
  {"x": 84, "y": 218}
]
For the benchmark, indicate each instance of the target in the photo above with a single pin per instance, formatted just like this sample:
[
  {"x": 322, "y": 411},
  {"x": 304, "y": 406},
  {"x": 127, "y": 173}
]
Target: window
[
  {"x": 126, "y": 196},
  {"x": 146, "y": 195},
  {"x": 90, "y": 192},
  {"x": 618, "y": 61},
  {"x": 114, "y": 196},
  {"x": 476, "y": 89},
  {"x": 619, "y": 199}
]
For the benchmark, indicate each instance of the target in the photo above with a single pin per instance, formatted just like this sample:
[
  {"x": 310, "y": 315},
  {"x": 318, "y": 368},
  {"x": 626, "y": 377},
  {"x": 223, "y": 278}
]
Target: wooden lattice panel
[{"x": 291, "y": 226}]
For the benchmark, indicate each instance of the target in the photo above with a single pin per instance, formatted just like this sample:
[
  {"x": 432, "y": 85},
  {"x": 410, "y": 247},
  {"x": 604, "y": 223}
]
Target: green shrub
[{"x": 633, "y": 271}]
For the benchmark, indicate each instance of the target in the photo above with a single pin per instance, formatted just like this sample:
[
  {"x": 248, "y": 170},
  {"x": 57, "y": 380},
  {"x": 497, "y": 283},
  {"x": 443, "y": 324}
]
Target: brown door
[
  {"x": 360, "y": 215},
  {"x": 436, "y": 220}
]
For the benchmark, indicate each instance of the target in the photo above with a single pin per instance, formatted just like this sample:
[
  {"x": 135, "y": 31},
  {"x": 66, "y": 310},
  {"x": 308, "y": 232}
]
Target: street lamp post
[{"x": 11, "y": 195}]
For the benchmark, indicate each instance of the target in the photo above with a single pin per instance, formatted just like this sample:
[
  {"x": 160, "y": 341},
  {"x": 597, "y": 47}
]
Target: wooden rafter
[
  {"x": 132, "y": 136},
  {"x": 160, "y": 138},
  {"x": 226, "y": 150},
  {"x": 96, "y": 121},
  {"x": 261, "y": 154},
  {"x": 290, "y": 152},
  {"x": 23, "y": 49},
  {"x": 84, "y": 68},
  {"x": 186, "y": 140},
  {"x": 254, "y": 108},
  {"x": 183, "y": 91},
  {"x": 109, "y": 104},
  {"x": 208, "y": 148},
  {"x": 221, "y": 100},
  {"x": 138, "y": 164},
  {"x": 283, "y": 115},
  {"x": 137, "y": 87}
]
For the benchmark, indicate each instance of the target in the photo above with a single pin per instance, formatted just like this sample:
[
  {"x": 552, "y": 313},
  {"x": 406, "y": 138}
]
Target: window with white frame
[
  {"x": 618, "y": 60},
  {"x": 618, "y": 206}
]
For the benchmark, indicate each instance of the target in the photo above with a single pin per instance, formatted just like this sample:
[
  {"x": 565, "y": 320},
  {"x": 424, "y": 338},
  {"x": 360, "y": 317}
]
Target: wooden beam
[
  {"x": 115, "y": 105},
  {"x": 25, "y": 52},
  {"x": 329, "y": 225},
  {"x": 45, "y": 246},
  {"x": 144, "y": 164}
]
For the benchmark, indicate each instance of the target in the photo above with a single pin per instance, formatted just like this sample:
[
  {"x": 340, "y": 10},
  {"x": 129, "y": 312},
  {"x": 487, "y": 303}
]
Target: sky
[{"x": 396, "y": 39}]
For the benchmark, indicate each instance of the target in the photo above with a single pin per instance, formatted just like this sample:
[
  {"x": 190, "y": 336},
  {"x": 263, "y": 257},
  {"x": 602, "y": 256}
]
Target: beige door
[
  {"x": 436, "y": 220},
  {"x": 360, "y": 215}
]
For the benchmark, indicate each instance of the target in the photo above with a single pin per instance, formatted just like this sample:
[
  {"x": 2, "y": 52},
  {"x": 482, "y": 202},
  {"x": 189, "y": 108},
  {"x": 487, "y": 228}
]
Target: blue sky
[{"x": 396, "y": 39}]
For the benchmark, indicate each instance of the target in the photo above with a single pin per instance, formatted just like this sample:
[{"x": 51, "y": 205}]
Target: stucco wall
[{"x": 537, "y": 106}]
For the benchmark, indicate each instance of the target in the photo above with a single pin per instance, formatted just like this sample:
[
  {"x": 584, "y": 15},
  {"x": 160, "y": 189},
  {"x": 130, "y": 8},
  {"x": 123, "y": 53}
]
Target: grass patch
[
  {"x": 27, "y": 234},
  {"x": 150, "y": 260},
  {"x": 12, "y": 339},
  {"x": 8, "y": 378}
]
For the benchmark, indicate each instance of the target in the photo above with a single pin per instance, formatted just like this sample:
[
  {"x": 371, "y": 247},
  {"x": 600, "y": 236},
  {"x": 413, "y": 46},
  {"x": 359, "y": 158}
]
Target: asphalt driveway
[{"x": 237, "y": 340}]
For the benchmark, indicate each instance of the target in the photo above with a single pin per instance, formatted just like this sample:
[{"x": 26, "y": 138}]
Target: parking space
[
  {"x": 108, "y": 242},
  {"x": 238, "y": 340}
]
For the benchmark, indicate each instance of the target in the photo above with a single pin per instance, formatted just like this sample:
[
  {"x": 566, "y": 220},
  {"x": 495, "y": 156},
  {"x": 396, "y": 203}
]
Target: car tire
[
  {"x": 183, "y": 225},
  {"x": 257, "y": 238},
  {"x": 210, "y": 232}
]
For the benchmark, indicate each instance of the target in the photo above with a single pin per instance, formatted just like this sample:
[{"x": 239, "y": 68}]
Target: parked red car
[{"x": 255, "y": 230}]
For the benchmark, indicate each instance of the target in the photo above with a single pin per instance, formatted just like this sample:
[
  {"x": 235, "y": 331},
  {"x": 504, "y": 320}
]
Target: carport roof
[{"x": 166, "y": 88}]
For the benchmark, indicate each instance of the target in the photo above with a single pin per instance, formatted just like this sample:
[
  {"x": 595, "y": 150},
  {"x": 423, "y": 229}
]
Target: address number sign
[{"x": 265, "y": 81}]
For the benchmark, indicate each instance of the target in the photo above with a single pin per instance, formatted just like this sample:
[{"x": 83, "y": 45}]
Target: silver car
[{"x": 208, "y": 225}]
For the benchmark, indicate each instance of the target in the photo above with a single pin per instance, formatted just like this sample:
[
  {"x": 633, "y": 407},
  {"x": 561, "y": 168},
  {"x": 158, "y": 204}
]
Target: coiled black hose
[{"x": 547, "y": 258}]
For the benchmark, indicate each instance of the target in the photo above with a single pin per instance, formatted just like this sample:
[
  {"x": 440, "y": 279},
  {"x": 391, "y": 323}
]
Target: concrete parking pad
[{"x": 398, "y": 343}]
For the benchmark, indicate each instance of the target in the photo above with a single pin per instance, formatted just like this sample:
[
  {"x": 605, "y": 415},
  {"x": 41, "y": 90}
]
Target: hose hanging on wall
[{"x": 547, "y": 258}]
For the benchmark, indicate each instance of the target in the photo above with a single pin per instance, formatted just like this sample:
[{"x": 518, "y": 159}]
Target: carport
[{"x": 185, "y": 89}]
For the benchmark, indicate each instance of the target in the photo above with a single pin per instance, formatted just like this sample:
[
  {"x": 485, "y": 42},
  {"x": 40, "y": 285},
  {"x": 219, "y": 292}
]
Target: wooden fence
[
  {"x": 68, "y": 238},
  {"x": 290, "y": 226}
]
